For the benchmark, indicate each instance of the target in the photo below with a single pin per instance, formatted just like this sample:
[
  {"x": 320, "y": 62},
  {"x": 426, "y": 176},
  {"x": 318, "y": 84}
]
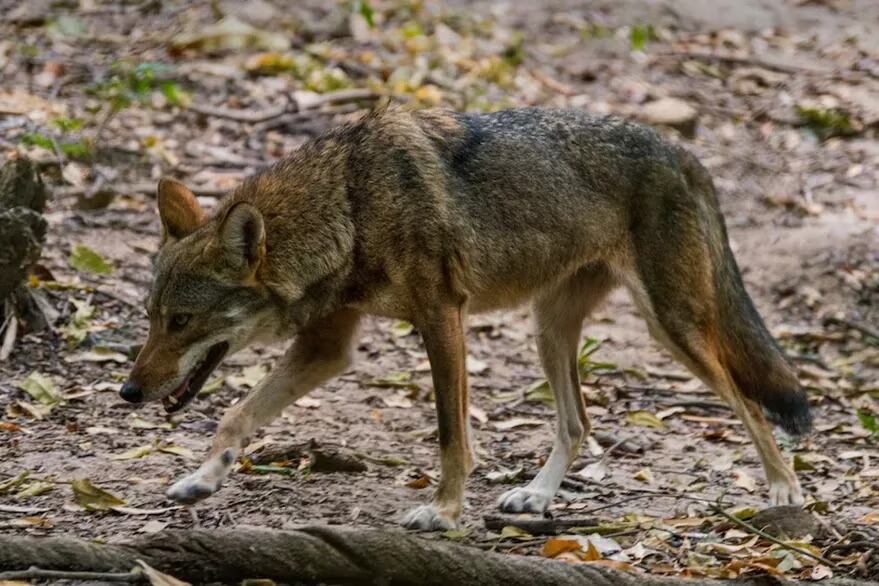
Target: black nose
[{"x": 131, "y": 392}]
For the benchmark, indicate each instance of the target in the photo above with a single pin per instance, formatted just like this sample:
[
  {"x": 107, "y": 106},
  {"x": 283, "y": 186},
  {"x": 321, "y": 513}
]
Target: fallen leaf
[
  {"x": 133, "y": 453},
  {"x": 41, "y": 388},
  {"x": 398, "y": 399},
  {"x": 157, "y": 578},
  {"x": 153, "y": 526},
  {"x": 516, "y": 422},
  {"x": 249, "y": 376},
  {"x": 178, "y": 451},
  {"x": 421, "y": 482},
  {"x": 514, "y": 532},
  {"x": 307, "y": 403},
  {"x": 476, "y": 366},
  {"x": 230, "y": 33},
  {"x": 644, "y": 475},
  {"x": 744, "y": 480},
  {"x": 92, "y": 498},
  {"x": 34, "y": 489},
  {"x": 596, "y": 471},
  {"x": 555, "y": 546},
  {"x": 644, "y": 419},
  {"x": 504, "y": 475},
  {"x": 84, "y": 259},
  {"x": 402, "y": 328},
  {"x": 98, "y": 354},
  {"x": 592, "y": 554},
  {"x": 475, "y": 412}
]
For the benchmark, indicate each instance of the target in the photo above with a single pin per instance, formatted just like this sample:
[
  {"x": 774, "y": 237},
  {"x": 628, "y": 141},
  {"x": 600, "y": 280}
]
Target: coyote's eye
[{"x": 179, "y": 320}]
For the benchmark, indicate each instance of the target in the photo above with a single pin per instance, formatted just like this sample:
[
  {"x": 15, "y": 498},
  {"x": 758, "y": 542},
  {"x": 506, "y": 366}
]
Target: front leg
[
  {"x": 319, "y": 353},
  {"x": 443, "y": 335}
]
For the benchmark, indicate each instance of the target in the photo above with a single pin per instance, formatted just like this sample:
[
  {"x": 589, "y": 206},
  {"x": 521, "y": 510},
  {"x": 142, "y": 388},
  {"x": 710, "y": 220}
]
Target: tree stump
[{"x": 22, "y": 233}]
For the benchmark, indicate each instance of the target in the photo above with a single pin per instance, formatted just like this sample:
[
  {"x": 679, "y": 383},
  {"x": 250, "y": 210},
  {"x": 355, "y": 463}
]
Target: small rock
[
  {"x": 788, "y": 521},
  {"x": 672, "y": 112}
]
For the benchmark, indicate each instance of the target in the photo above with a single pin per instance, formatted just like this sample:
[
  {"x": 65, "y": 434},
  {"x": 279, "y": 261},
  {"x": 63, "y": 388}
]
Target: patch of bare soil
[{"x": 108, "y": 97}]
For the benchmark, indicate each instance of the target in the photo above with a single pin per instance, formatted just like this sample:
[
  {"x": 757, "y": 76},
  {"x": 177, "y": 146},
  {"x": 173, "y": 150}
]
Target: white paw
[
  {"x": 524, "y": 500},
  {"x": 427, "y": 518},
  {"x": 783, "y": 492},
  {"x": 192, "y": 489}
]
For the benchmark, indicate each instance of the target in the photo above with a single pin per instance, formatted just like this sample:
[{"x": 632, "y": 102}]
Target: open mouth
[{"x": 195, "y": 380}]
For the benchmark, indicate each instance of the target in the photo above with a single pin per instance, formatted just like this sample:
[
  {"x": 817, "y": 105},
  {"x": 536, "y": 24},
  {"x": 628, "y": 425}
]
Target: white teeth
[{"x": 172, "y": 399}]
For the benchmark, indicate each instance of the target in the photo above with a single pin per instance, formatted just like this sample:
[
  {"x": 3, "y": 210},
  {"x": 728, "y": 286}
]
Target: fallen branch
[
  {"x": 865, "y": 328},
  {"x": 255, "y": 117},
  {"x": 35, "y": 573},
  {"x": 537, "y": 525},
  {"x": 748, "y": 61},
  {"x": 145, "y": 188},
  {"x": 751, "y": 529},
  {"x": 313, "y": 555}
]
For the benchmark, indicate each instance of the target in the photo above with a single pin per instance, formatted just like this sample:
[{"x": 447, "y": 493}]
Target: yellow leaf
[
  {"x": 92, "y": 498},
  {"x": 133, "y": 453},
  {"x": 645, "y": 419},
  {"x": 513, "y": 531},
  {"x": 178, "y": 451},
  {"x": 644, "y": 475}
]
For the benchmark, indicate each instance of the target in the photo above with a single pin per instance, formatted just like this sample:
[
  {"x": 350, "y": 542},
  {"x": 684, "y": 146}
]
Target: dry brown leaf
[{"x": 555, "y": 546}]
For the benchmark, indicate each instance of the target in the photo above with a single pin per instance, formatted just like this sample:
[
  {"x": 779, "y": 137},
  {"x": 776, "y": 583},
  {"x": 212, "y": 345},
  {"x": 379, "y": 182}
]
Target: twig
[
  {"x": 862, "y": 327},
  {"x": 540, "y": 526},
  {"x": 21, "y": 510},
  {"x": 35, "y": 573},
  {"x": 239, "y": 115},
  {"x": 146, "y": 188},
  {"x": 700, "y": 404},
  {"x": 305, "y": 116},
  {"x": 255, "y": 117},
  {"x": 853, "y": 545},
  {"x": 10, "y": 326},
  {"x": 734, "y": 60},
  {"x": 750, "y": 528}
]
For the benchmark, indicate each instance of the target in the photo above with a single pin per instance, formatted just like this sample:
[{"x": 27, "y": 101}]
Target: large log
[{"x": 312, "y": 555}]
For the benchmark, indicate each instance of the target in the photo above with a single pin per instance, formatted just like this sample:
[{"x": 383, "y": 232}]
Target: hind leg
[
  {"x": 559, "y": 315},
  {"x": 684, "y": 328}
]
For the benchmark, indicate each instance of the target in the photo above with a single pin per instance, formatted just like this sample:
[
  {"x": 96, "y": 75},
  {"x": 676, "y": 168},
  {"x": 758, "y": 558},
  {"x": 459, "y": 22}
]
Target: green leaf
[
  {"x": 868, "y": 420},
  {"x": 540, "y": 391},
  {"x": 34, "y": 489},
  {"x": 640, "y": 35},
  {"x": 402, "y": 328},
  {"x": 92, "y": 498},
  {"x": 41, "y": 388},
  {"x": 7, "y": 485},
  {"x": 366, "y": 11},
  {"x": 826, "y": 123},
  {"x": 84, "y": 259},
  {"x": 171, "y": 90}
]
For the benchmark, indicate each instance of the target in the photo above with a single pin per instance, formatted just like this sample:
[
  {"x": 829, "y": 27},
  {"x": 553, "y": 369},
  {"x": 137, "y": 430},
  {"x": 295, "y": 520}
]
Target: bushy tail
[{"x": 750, "y": 354}]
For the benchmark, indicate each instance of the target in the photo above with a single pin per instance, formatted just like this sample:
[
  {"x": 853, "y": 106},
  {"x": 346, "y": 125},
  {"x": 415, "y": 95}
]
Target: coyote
[{"x": 428, "y": 216}]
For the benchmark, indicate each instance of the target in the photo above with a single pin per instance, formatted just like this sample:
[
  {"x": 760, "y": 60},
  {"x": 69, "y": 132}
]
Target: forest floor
[{"x": 108, "y": 97}]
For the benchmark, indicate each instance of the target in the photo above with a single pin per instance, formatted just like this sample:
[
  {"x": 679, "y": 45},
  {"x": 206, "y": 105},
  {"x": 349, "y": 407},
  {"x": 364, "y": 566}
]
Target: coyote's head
[{"x": 206, "y": 299}]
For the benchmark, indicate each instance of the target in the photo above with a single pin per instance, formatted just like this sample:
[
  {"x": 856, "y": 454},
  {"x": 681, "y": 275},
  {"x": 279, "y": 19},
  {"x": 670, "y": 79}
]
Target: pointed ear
[
  {"x": 243, "y": 236},
  {"x": 179, "y": 210}
]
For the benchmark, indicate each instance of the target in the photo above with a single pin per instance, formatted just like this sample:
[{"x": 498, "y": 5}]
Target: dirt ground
[{"x": 799, "y": 189}]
